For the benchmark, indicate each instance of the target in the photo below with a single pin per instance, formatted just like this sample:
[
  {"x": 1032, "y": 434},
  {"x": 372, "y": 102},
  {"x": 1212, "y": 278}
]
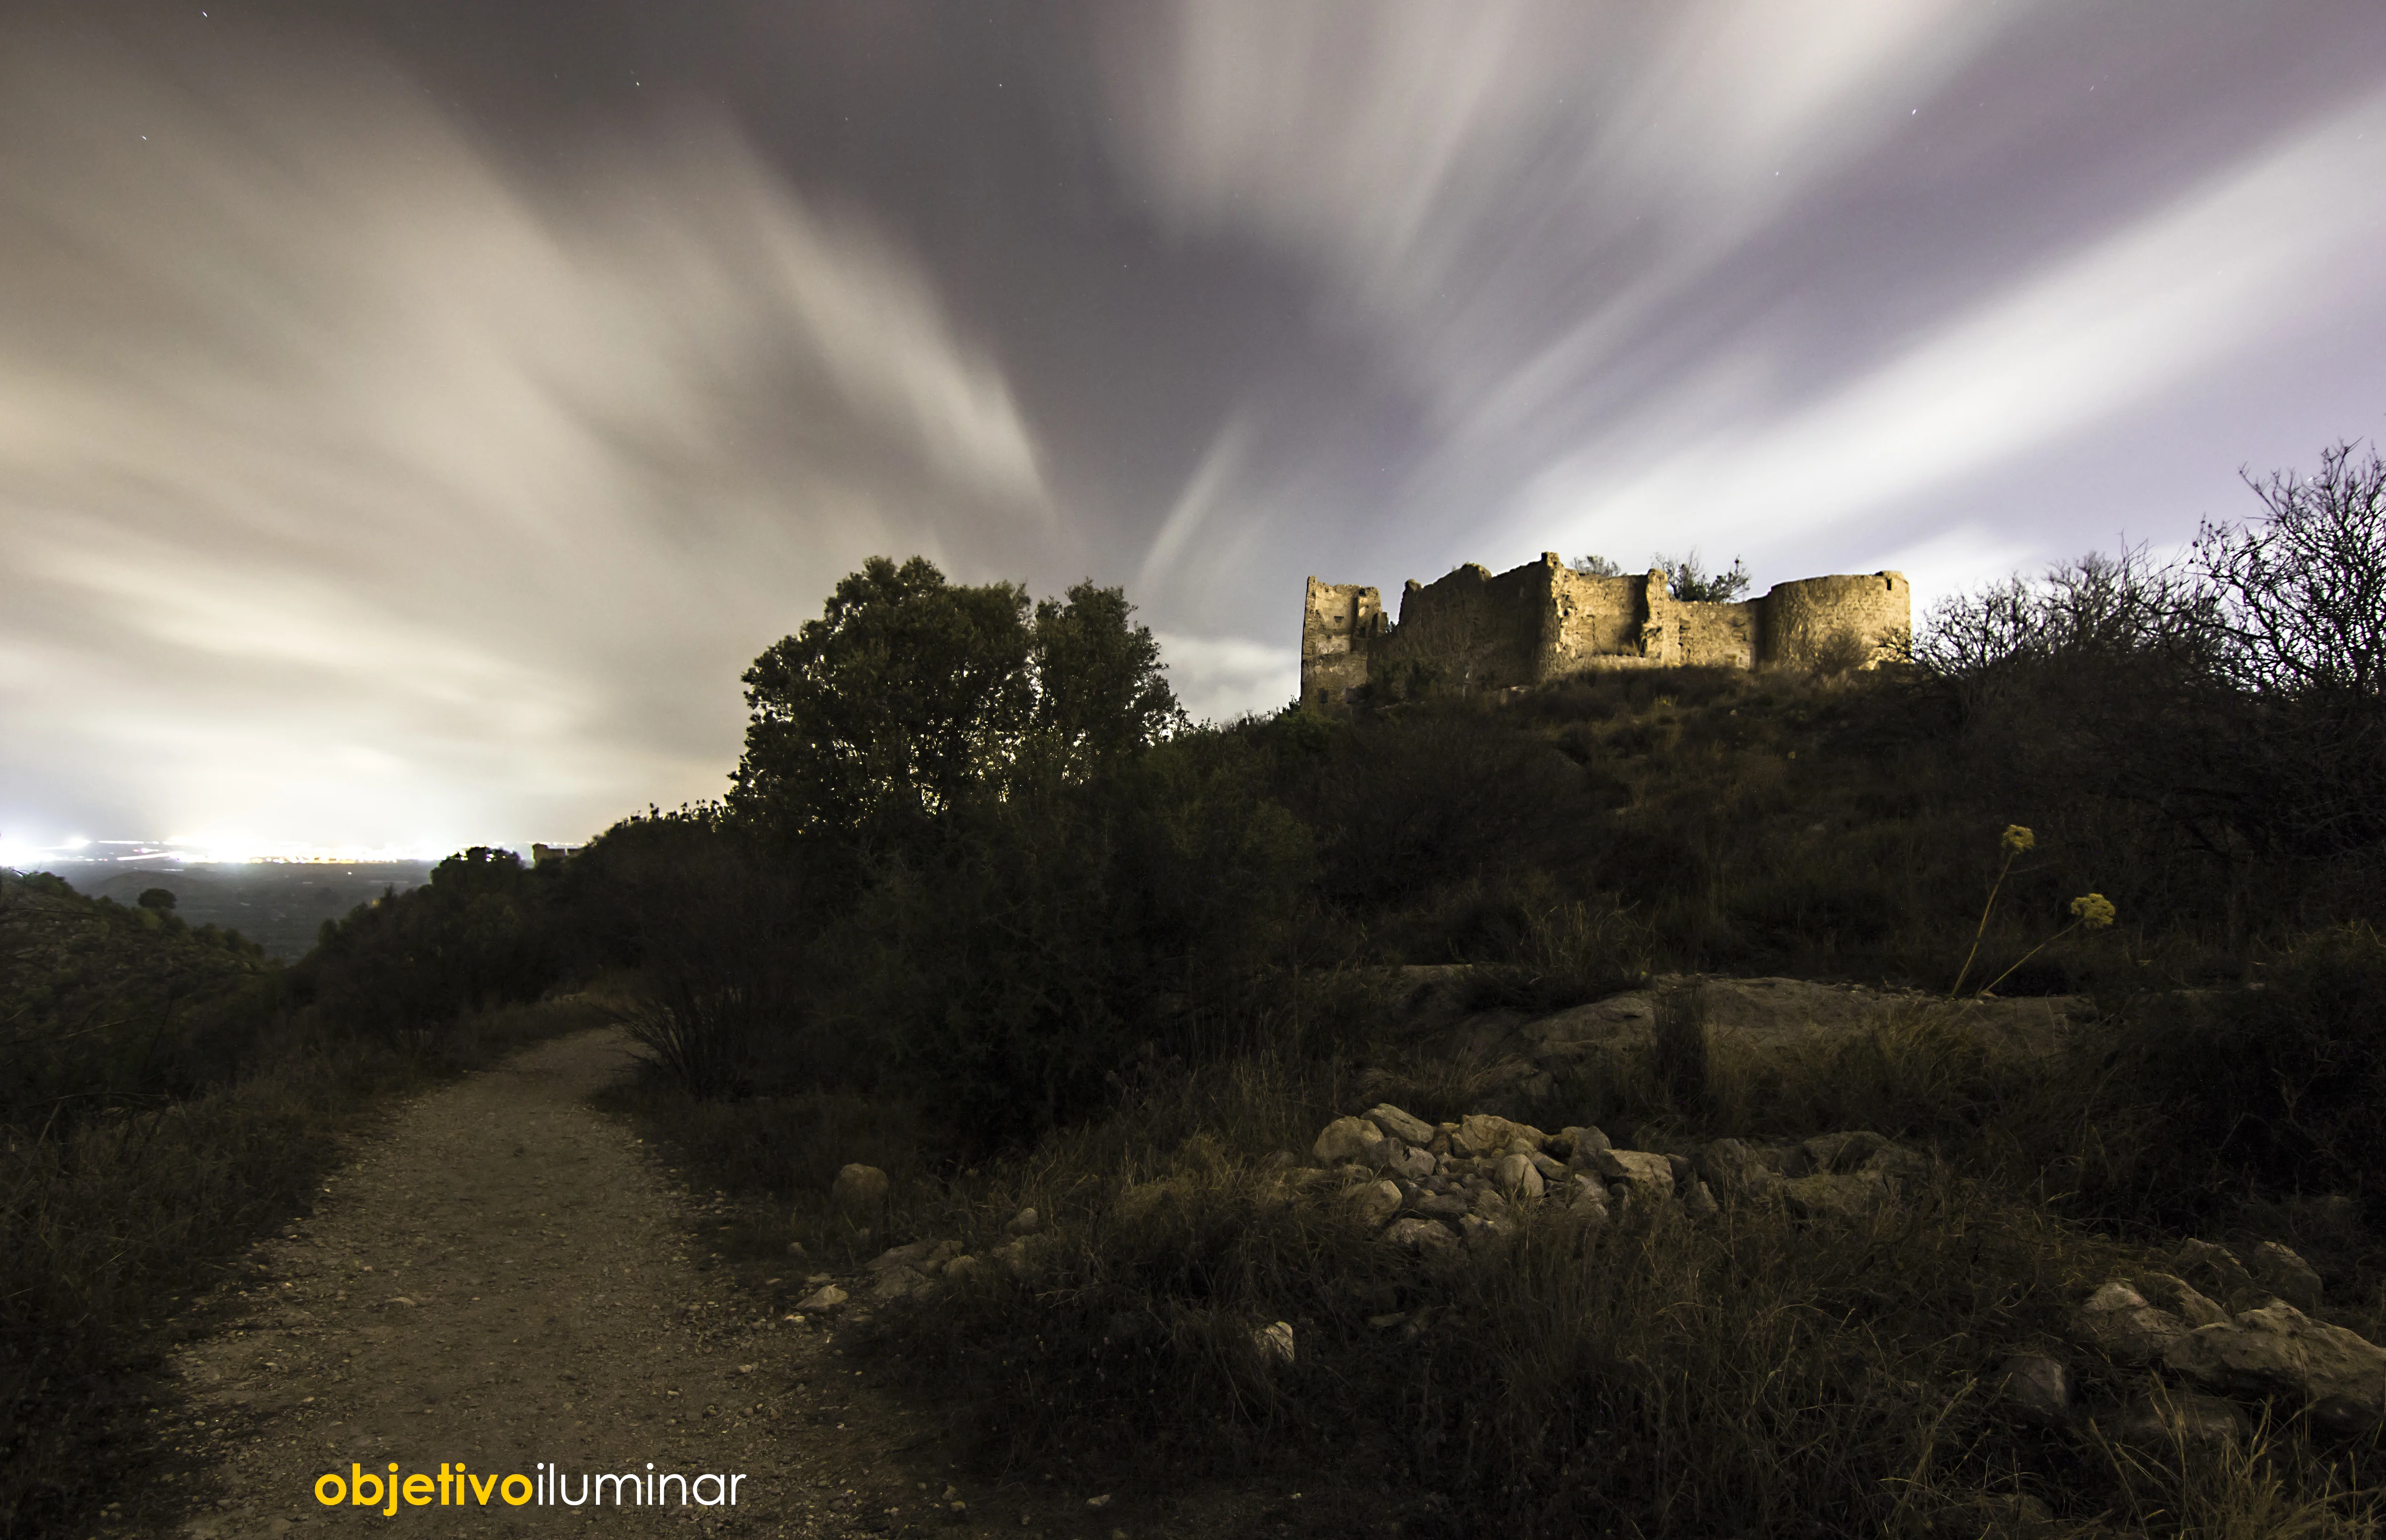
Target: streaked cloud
[
  {"x": 408, "y": 434},
  {"x": 1465, "y": 176},
  {"x": 1219, "y": 678},
  {"x": 2178, "y": 294},
  {"x": 348, "y": 464},
  {"x": 1704, "y": 274}
]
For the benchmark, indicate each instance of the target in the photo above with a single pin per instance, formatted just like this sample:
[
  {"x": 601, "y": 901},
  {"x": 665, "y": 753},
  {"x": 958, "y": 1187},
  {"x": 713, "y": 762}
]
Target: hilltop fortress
[{"x": 1474, "y": 631}]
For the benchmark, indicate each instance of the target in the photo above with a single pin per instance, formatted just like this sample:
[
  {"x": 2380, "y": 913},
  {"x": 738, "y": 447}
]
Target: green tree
[
  {"x": 911, "y": 694},
  {"x": 1693, "y": 584},
  {"x": 905, "y": 693},
  {"x": 1100, "y": 695}
]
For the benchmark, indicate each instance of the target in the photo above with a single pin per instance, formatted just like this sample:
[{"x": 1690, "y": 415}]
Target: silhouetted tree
[
  {"x": 911, "y": 694},
  {"x": 873, "y": 718},
  {"x": 2301, "y": 600},
  {"x": 1100, "y": 695}
]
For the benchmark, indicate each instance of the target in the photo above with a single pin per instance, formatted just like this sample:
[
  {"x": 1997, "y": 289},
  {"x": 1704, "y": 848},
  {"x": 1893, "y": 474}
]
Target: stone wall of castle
[
  {"x": 1476, "y": 631},
  {"x": 1338, "y": 623}
]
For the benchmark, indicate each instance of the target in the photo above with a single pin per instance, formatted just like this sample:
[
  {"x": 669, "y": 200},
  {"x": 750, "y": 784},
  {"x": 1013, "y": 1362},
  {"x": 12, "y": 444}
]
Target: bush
[
  {"x": 1068, "y": 931},
  {"x": 2284, "y": 1085},
  {"x": 475, "y": 937},
  {"x": 721, "y": 927}
]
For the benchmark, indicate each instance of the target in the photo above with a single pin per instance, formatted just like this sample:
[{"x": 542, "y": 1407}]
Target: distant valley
[{"x": 279, "y": 905}]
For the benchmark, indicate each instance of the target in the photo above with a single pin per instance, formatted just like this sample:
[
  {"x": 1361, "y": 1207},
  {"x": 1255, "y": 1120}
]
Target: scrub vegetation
[
  {"x": 166, "y": 1094},
  {"x": 983, "y": 909}
]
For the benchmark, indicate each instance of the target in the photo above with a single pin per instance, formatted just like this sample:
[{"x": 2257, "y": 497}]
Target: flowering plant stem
[
  {"x": 1983, "y": 927},
  {"x": 1990, "y": 987}
]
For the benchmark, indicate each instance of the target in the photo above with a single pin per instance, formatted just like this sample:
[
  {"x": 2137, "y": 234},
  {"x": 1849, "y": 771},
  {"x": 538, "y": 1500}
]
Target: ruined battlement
[{"x": 1476, "y": 631}]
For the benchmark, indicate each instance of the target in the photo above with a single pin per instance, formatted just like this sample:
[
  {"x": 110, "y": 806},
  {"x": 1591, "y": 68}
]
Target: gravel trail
[{"x": 505, "y": 1279}]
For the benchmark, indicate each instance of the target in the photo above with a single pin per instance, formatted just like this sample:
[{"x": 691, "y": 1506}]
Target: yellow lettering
[
  {"x": 505, "y": 1489},
  {"x": 338, "y": 1495},
  {"x": 480, "y": 1489},
  {"x": 418, "y": 1490}
]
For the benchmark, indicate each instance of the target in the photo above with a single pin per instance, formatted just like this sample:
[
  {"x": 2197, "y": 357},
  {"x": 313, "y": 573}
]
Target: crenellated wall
[{"x": 1476, "y": 631}]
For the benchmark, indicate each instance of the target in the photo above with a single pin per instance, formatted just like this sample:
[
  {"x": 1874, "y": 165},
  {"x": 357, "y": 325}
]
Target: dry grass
[{"x": 1750, "y": 1376}]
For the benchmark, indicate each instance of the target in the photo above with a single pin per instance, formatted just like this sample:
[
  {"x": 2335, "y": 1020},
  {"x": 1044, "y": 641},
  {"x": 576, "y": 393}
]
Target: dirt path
[{"x": 504, "y": 1277}]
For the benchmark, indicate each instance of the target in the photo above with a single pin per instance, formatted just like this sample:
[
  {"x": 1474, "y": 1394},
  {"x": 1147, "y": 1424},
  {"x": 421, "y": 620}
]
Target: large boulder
[
  {"x": 2181, "y": 1298},
  {"x": 2278, "y": 1350},
  {"x": 1423, "y": 1237},
  {"x": 2034, "y": 1388},
  {"x": 2216, "y": 1269},
  {"x": 2279, "y": 1269},
  {"x": 1373, "y": 1202},
  {"x": 1398, "y": 1125},
  {"x": 1517, "y": 1175},
  {"x": 896, "y": 1282},
  {"x": 1582, "y": 1144},
  {"x": 1482, "y": 1135},
  {"x": 1351, "y": 1139},
  {"x": 858, "y": 1191},
  {"x": 1443, "y": 1205},
  {"x": 1769, "y": 1016},
  {"x": 2162, "y": 1424},
  {"x": 2127, "y": 1327},
  {"x": 1647, "y": 1175},
  {"x": 1837, "y": 1153}
]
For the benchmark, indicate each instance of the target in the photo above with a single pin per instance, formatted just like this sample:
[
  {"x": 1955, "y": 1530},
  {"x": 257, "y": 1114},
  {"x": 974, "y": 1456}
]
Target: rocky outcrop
[
  {"x": 1534, "y": 1055},
  {"x": 1437, "y": 1190},
  {"x": 2273, "y": 1350}
]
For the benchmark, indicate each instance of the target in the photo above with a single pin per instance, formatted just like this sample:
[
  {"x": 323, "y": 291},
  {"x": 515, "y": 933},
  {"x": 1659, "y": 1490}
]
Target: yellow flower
[
  {"x": 2094, "y": 910},
  {"x": 2018, "y": 839}
]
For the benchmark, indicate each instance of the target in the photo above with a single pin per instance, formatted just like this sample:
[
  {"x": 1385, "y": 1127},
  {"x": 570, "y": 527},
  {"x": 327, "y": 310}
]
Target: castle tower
[
  {"x": 1868, "y": 617},
  {"x": 1337, "y": 620}
]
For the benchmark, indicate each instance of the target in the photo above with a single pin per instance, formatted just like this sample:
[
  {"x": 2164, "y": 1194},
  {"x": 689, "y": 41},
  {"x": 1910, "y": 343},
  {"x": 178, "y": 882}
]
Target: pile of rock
[
  {"x": 913, "y": 1269},
  {"x": 2256, "y": 1341},
  {"x": 1437, "y": 1187}
]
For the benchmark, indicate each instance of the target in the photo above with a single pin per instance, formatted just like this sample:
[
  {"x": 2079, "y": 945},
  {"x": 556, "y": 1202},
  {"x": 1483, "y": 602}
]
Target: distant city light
[{"x": 21, "y": 854}]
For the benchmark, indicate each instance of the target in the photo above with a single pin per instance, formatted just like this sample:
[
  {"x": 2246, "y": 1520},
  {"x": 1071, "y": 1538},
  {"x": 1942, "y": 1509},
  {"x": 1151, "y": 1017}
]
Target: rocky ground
[
  {"x": 506, "y": 1281},
  {"x": 503, "y": 1277}
]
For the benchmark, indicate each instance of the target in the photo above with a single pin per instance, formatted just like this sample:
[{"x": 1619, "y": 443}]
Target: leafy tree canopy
[{"x": 911, "y": 694}]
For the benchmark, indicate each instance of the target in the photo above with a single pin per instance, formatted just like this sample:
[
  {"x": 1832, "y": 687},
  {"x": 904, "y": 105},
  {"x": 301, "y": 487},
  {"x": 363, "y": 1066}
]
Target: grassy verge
[
  {"x": 107, "y": 1227},
  {"x": 1661, "y": 1376}
]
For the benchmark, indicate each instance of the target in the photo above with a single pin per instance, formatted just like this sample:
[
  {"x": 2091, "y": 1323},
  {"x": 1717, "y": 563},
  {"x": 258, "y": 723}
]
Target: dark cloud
[{"x": 417, "y": 415}]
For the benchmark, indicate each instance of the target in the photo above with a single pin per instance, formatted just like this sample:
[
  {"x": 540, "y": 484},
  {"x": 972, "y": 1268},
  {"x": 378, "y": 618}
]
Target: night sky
[{"x": 414, "y": 416}]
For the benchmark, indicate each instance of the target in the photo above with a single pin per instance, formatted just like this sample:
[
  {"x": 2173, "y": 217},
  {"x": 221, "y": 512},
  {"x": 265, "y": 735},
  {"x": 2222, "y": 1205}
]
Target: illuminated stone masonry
[{"x": 1476, "y": 631}]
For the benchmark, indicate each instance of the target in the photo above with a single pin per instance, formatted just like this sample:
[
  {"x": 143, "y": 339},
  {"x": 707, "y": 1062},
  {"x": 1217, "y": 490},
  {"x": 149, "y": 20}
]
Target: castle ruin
[{"x": 1475, "y": 631}]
